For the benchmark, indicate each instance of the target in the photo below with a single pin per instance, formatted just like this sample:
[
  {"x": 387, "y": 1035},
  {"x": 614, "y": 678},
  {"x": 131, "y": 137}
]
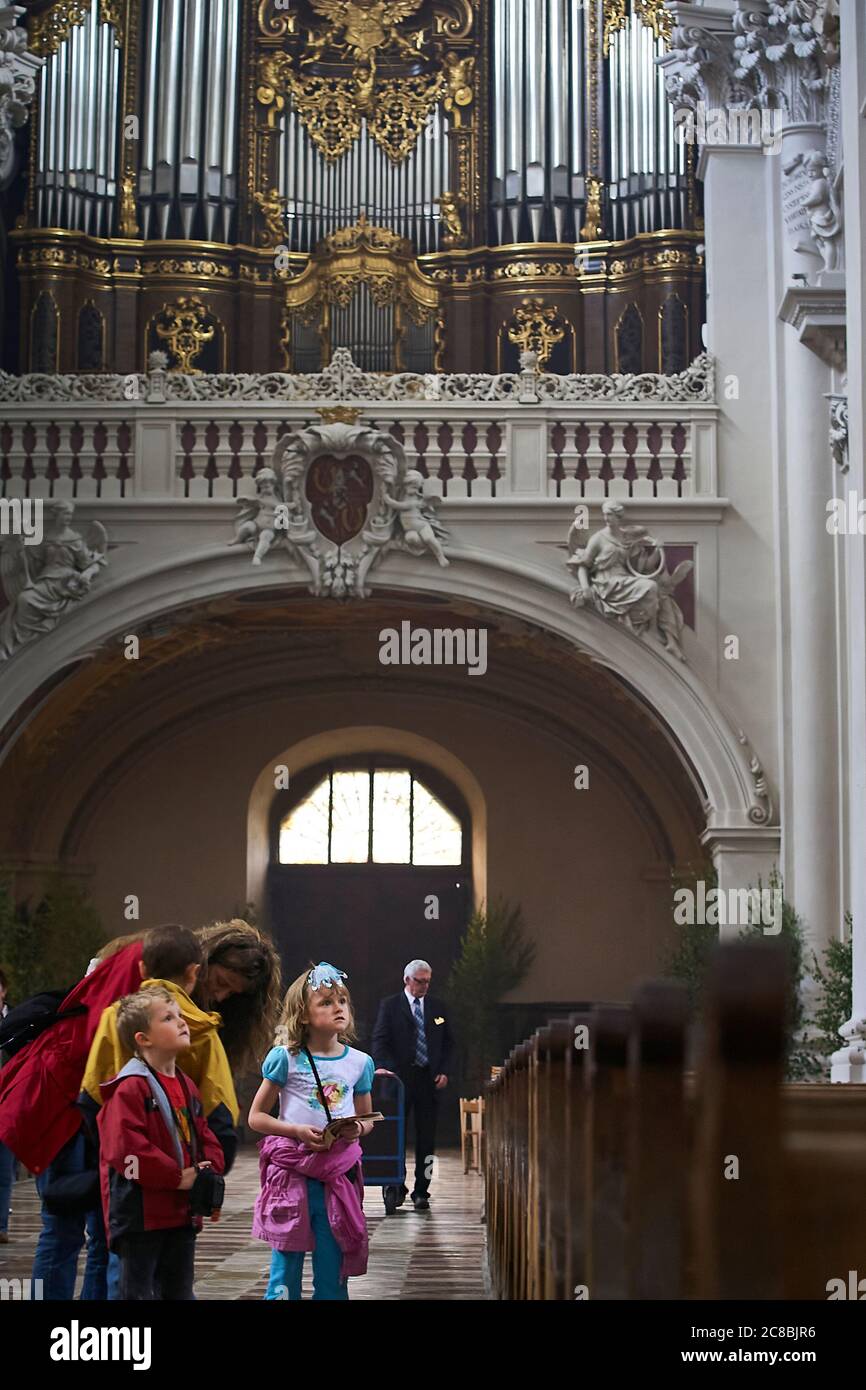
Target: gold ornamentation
[
  {"x": 186, "y": 331},
  {"x": 454, "y": 234},
  {"x": 530, "y": 270},
  {"x": 331, "y": 110},
  {"x": 536, "y": 327},
  {"x": 459, "y": 74},
  {"x": 360, "y": 28},
  {"x": 128, "y": 211},
  {"x": 652, "y": 13},
  {"x": 361, "y": 255},
  {"x": 273, "y": 25},
  {"x": 49, "y": 29},
  {"x": 271, "y": 206},
  {"x": 172, "y": 266},
  {"x": 656, "y": 17},
  {"x": 439, "y": 343},
  {"x": 591, "y": 229},
  {"x": 340, "y": 414}
]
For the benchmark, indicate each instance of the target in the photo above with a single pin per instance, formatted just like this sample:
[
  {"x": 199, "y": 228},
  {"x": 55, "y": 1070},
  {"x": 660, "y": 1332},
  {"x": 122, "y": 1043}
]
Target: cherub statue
[
  {"x": 43, "y": 581},
  {"x": 417, "y": 519},
  {"x": 823, "y": 210},
  {"x": 454, "y": 234},
  {"x": 272, "y": 208},
  {"x": 259, "y": 518},
  {"x": 459, "y": 73}
]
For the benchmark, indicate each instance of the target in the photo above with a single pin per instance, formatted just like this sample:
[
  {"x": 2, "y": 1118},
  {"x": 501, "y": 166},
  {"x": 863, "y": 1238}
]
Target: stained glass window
[{"x": 379, "y": 815}]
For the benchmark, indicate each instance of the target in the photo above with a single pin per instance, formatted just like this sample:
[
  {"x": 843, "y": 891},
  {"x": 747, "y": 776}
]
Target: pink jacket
[{"x": 282, "y": 1216}]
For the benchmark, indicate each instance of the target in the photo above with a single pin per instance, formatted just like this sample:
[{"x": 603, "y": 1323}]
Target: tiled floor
[{"x": 438, "y": 1254}]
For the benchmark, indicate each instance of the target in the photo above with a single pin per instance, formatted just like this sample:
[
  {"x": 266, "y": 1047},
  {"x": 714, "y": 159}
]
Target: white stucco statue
[
  {"x": 621, "y": 573},
  {"x": 416, "y": 517},
  {"x": 43, "y": 581},
  {"x": 257, "y": 521},
  {"x": 824, "y": 212}
]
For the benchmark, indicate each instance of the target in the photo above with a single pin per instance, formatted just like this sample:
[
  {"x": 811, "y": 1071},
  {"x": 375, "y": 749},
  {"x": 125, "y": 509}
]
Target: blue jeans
[
  {"x": 287, "y": 1266},
  {"x": 62, "y": 1237},
  {"x": 7, "y": 1180}
]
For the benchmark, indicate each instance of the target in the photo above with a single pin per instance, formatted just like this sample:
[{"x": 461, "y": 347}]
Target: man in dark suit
[{"x": 413, "y": 1039}]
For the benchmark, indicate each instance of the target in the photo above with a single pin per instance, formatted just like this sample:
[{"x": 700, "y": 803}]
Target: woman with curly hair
[{"x": 241, "y": 978}]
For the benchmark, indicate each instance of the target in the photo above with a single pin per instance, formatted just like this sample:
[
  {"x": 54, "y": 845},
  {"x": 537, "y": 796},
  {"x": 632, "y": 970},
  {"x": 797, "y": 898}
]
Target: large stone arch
[{"x": 739, "y": 833}]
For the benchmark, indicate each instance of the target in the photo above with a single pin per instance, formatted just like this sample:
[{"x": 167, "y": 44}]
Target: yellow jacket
[{"x": 204, "y": 1060}]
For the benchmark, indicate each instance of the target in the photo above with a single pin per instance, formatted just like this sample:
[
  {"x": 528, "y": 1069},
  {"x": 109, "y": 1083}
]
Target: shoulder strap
[
  {"x": 322, "y": 1096},
  {"x": 193, "y": 1133}
]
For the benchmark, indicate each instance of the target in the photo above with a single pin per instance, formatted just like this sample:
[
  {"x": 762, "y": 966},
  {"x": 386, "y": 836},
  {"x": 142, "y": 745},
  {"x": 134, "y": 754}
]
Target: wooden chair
[{"x": 471, "y": 1133}]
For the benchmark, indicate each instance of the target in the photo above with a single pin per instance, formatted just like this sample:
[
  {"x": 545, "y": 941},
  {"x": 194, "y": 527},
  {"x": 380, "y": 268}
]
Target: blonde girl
[{"x": 312, "y": 1191}]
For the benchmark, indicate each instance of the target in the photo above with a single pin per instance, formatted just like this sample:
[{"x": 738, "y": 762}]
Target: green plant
[
  {"x": 495, "y": 957},
  {"x": 835, "y": 994},
  {"x": 689, "y": 957},
  {"x": 47, "y": 944},
  {"x": 802, "y": 1062}
]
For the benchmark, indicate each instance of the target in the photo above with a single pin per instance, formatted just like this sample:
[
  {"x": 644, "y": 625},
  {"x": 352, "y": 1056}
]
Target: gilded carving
[
  {"x": 369, "y": 62},
  {"x": 591, "y": 229},
  {"x": 652, "y": 13},
  {"x": 536, "y": 327},
  {"x": 454, "y": 234},
  {"x": 49, "y": 29},
  {"x": 128, "y": 211},
  {"x": 185, "y": 331},
  {"x": 459, "y": 73},
  {"x": 272, "y": 209}
]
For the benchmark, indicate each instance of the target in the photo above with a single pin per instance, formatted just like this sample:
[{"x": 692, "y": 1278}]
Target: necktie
[{"x": 421, "y": 1058}]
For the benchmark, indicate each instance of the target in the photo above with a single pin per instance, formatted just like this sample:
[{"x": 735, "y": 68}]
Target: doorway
[{"x": 369, "y": 869}]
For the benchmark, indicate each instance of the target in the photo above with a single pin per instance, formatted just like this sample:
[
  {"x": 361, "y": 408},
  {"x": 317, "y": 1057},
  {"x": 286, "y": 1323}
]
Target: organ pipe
[
  {"x": 322, "y": 196},
  {"x": 539, "y": 66},
  {"x": 76, "y": 178},
  {"x": 188, "y": 176}
]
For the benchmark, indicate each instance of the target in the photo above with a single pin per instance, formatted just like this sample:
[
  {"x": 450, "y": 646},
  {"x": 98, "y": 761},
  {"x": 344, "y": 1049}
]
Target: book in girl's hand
[{"x": 335, "y": 1130}]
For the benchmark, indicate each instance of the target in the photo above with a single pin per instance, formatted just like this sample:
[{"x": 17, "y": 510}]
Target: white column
[
  {"x": 809, "y": 730},
  {"x": 849, "y": 1063}
]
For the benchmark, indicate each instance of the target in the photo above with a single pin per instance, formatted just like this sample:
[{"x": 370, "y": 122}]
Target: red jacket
[
  {"x": 135, "y": 1122},
  {"x": 40, "y": 1084}
]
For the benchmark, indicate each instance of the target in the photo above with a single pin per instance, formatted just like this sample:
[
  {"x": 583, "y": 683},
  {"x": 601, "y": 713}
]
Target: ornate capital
[
  {"x": 18, "y": 69},
  {"x": 776, "y": 56}
]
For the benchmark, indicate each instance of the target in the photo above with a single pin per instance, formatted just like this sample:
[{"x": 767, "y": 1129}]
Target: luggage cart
[{"x": 384, "y": 1163}]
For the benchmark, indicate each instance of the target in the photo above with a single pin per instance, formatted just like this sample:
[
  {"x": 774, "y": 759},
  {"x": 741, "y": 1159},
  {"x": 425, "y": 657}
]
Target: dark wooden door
[{"x": 369, "y": 920}]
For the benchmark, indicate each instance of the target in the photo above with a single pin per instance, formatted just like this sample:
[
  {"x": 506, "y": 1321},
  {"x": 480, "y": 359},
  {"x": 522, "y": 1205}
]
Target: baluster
[
  {"x": 558, "y": 438},
  {"x": 187, "y": 471},
  {"x": 124, "y": 465},
  {"x": 654, "y": 444},
  {"x": 493, "y": 442},
  {"x": 445, "y": 441}
]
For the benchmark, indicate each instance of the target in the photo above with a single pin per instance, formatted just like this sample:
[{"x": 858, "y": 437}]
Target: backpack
[{"x": 26, "y": 1021}]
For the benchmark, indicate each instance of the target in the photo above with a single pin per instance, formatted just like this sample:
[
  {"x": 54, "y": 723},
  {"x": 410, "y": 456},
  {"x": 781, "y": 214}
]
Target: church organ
[{"x": 520, "y": 155}]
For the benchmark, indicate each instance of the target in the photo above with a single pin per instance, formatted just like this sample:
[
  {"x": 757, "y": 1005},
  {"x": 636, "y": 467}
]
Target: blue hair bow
[{"x": 325, "y": 976}]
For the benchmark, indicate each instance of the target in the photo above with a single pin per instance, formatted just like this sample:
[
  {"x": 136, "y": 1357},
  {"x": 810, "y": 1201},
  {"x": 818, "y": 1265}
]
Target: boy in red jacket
[{"x": 154, "y": 1138}]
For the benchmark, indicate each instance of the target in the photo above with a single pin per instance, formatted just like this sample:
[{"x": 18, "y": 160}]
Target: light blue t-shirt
[{"x": 345, "y": 1075}]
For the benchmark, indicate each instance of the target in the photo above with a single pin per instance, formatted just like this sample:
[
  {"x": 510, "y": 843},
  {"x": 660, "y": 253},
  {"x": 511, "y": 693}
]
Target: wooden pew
[
  {"x": 658, "y": 1143},
  {"x": 605, "y": 1146},
  {"x": 610, "y": 1168}
]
